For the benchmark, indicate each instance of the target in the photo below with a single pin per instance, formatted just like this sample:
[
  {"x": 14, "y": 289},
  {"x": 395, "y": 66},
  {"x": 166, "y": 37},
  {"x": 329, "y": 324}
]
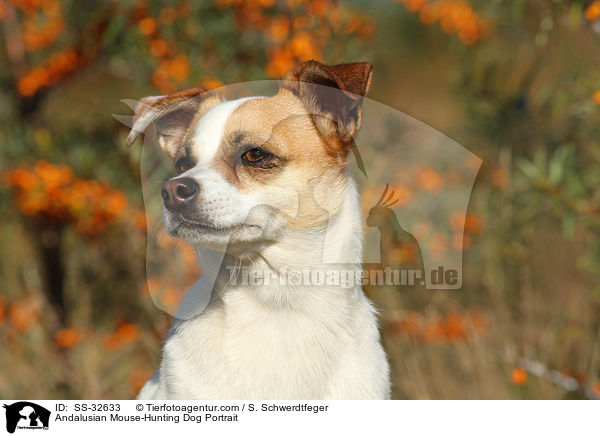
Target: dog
[{"x": 265, "y": 179}]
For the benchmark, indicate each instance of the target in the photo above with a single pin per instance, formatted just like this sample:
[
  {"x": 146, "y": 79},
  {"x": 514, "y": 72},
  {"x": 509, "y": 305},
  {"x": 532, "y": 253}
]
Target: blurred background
[{"x": 517, "y": 83}]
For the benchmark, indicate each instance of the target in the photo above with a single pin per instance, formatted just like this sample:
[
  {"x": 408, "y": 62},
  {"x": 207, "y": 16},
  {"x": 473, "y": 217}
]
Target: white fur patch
[{"x": 211, "y": 127}]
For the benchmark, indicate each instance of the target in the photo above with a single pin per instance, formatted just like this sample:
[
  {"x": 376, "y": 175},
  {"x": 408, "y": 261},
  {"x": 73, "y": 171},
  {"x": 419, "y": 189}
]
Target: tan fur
[{"x": 281, "y": 125}]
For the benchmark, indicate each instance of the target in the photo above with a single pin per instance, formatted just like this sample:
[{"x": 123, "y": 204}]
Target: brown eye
[
  {"x": 254, "y": 155},
  {"x": 183, "y": 164}
]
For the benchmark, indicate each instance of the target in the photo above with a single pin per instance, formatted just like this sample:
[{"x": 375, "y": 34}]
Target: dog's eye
[
  {"x": 183, "y": 164},
  {"x": 259, "y": 158},
  {"x": 254, "y": 155}
]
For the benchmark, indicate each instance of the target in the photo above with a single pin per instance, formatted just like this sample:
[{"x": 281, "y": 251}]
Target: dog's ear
[
  {"x": 332, "y": 94},
  {"x": 171, "y": 114}
]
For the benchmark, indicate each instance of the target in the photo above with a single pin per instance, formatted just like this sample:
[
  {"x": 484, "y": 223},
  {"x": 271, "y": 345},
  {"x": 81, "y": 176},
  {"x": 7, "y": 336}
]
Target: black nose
[{"x": 176, "y": 193}]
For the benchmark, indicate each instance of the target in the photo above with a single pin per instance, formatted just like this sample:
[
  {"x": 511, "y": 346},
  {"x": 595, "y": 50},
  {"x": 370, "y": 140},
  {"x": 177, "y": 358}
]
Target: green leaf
[
  {"x": 529, "y": 169},
  {"x": 558, "y": 164}
]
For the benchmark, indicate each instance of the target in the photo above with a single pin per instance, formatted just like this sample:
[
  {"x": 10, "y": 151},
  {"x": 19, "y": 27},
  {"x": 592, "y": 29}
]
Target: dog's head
[{"x": 252, "y": 168}]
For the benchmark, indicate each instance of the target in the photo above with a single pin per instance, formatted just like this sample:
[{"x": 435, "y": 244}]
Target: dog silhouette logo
[{"x": 26, "y": 415}]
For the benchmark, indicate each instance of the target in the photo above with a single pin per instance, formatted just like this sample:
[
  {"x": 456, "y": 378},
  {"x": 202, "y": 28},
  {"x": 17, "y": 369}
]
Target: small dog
[{"x": 266, "y": 180}]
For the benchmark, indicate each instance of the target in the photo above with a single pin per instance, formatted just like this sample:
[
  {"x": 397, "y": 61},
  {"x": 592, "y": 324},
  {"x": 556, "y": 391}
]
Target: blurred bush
[{"x": 516, "y": 82}]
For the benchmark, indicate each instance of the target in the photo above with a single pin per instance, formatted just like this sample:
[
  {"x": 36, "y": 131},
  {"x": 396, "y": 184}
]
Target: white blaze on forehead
[{"x": 211, "y": 127}]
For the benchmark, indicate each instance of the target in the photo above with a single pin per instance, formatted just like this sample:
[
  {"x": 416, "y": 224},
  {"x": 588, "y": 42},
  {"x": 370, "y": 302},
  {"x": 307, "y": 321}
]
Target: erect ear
[
  {"x": 332, "y": 94},
  {"x": 171, "y": 115}
]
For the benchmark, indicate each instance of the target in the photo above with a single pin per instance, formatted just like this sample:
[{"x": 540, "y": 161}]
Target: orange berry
[
  {"x": 23, "y": 314},
  {"x": 158, "y": 48},
  {"x": 52, "y": 191},
  {"x": 147, "y": 26},
  {"x": 318, "y": 7},
  {"x": 279, "y": 28},
  {"x": 596, "y": 97},
  {"x": 429, "y": 13},
  {"x": 67, "y": 337},
  {"x": 128, "y": 332},
  {"x": 454, "y": 327},
  {"x": 59, "y": 65},
  {"x": 429, "y": 179},
  {"x": 518, "y": 376},
  {"x": 211, "y": 83},
  {"x": 280, "y": 63},
  {"x": 470, "y": 223},
  {"x": 410, "y": 327},
  {"x": 592, "y": 12},
  {"x": 403, "y": 194},
  {"x": 124, "y": 335},
  {"x": 473, "y": 224},
  {"x": 178, "y": 68}
]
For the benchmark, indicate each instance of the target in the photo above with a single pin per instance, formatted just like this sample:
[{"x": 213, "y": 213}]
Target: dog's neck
[{"x": 336, "y": 246}]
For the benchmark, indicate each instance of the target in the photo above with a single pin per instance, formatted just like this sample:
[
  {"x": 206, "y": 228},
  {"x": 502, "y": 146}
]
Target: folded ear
[
  {"x": 332, "y": 94},
  {"x": 171, "y": 114}
]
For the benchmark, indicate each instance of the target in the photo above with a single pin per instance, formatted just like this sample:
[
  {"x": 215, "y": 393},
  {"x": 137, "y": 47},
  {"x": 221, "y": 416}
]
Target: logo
[{"x": 26, "y": 415}]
